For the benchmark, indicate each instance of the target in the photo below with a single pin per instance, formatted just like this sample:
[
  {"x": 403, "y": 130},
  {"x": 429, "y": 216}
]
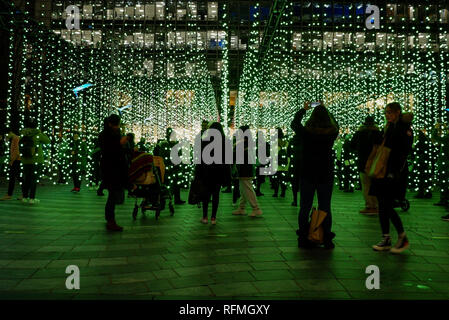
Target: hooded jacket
[
  {"x": 316, "y": 162},
  {"x": 39, "y": 138}
]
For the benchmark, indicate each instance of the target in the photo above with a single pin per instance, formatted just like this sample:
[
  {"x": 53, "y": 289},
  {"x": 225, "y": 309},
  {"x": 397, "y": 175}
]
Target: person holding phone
[{"x": 316, "y": 167}]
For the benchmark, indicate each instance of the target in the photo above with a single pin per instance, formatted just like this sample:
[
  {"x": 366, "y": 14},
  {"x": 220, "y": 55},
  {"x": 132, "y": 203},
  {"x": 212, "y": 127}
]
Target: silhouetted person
[
  {"x": 32, "y": 156},
  {"x": 78, "y": 161},
  {"x": 13, "y": 162},
  {"x": 246, "y": 174},
  {"x": 114, "y": 168},
  {"x": 363, "y": 142},
  {"x": 214, "y": 175},
  {"x": 172, "y": 172},
  {"x": 317, "y": 169},
  {"x": 398, "y": 137}
]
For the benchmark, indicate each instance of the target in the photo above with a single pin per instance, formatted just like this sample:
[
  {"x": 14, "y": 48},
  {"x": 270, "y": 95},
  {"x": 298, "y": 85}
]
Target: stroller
[{"x": 146, "y": 178}]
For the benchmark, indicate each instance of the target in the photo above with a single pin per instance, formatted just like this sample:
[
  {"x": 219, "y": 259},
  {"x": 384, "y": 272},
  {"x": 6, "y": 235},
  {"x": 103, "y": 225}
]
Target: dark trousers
[
  {"x": 280, "y": 179},
  {"x": 214, "y": 192},
  {"x": 76, "y": 175},
  {"x": 30, "y": 175},
  {"x": 386, "y": 197},
  {"x": 115, "y": 196},
  {"x": 14, "y": 174},
  {"x": 295, "y": 187},
  {"x": 324, "y": 192}
]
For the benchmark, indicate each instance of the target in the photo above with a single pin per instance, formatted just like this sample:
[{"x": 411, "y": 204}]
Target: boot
[{"x": 112, "y": 226}]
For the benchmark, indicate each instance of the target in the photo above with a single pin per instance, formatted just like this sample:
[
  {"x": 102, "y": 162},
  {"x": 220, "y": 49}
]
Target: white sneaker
[
  {"x": 239, "y": 212},
  {"x": 204, "y": 221},
  {"x": 256, "y": 212},
  {"x": 25, "y": 200},
  {"x": 34, "y": 201}
]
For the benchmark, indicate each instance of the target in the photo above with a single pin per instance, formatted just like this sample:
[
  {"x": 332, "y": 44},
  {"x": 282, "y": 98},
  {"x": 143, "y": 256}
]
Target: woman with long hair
[
  {"x": 398, "y": 137},
  {"x": 214, "y": 175},
  {"x": 316, "y": 167}
]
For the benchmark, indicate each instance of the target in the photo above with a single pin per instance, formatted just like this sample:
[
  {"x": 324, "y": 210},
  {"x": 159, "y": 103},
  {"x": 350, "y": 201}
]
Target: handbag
[
  {"x": 316, "y": 232},
  {"x": 376, "y": 165},
  {"x": 197, "y": 191}
]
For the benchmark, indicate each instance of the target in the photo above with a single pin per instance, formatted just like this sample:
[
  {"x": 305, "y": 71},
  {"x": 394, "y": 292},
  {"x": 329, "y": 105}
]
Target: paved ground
[{"x": 239, "y": 258}]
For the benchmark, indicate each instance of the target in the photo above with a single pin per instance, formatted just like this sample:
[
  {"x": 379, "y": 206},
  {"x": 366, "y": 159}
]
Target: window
[
  {"x": 160, "y": 10},
  {"x": 212, "y": 10},
  {"x": 150, "y": 11},
  {"x": 192, "y": 12}
]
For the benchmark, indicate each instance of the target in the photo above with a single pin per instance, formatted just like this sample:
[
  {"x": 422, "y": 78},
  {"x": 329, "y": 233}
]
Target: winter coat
[
  {"x": 214, "y": 173},
  {"x": 316, "y": 162},
  {"x": 114, "y": 168},
  {"x": 363, "y": 141},
  {"x": 39, "y": 138},
  {"x": 247, "y": 169}
]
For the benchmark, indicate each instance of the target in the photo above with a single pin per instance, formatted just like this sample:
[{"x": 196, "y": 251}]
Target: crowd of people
[{"x": 375, "y": 160}]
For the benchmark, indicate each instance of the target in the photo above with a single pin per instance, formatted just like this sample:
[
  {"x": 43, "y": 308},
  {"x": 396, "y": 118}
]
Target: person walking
[
  {"x": 246, "y": 173},
  {"x": 214, "y": 175},
  {"x": 32, "y": 156},
  {"x": 316, "y": 169},
  {"x": 114, "y": 168},
  {"x": 78, "y": 159},
  {"x": 363, "y": 142},
  {"x": 280, "y": 178},
  {"x": 14, "y": 163},
  {"x": 398, "y": 137}
]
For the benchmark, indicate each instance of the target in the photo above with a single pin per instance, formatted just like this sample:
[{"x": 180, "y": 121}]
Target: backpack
[
  {"x": 316, "y": 232},
  {"x": 27, "y": 148}
]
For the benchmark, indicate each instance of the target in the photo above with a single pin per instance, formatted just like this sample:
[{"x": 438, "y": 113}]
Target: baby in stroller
[{"x": 146, "y": 180}]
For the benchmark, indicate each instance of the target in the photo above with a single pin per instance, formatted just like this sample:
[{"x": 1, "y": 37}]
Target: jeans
[
  {"x": 14, "y": 174},
  {"x": 386, "y": 197},
  {"x": 307, "y": 192},
  {"x": 214, "y": 192},
  {"x": 30, "y": 175},
  {"x": 115, "y": 196}
]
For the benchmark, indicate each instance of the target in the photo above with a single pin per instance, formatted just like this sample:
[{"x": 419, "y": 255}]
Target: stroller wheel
[
  {"x": 172, "y": 209},
  {"x": 405, "y": 205},
  {"x": 135, "y": 210}
]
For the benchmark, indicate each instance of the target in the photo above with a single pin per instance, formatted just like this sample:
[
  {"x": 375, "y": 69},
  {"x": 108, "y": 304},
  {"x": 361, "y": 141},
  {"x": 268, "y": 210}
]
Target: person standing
[
  {"x": 398, "y": 137},
  {"x": 440, "y": 135},
  {"x": 173, "y": 172},
  {"x": 316, "y": 169},
  {"x": 114, "y": 168},
  {"x": 214, "y": 175},
  {"x": 246, "y": 173},
  {"x": 32, "y": 156},
  {"x": 363, "y": 142},
  {"x": 78, "y": 158},
  {"x": 14, "y": 163}
]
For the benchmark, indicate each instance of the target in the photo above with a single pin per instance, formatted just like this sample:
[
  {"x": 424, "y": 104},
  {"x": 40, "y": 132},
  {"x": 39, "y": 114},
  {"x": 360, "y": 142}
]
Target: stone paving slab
[{"x": 239, "y": 258}]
